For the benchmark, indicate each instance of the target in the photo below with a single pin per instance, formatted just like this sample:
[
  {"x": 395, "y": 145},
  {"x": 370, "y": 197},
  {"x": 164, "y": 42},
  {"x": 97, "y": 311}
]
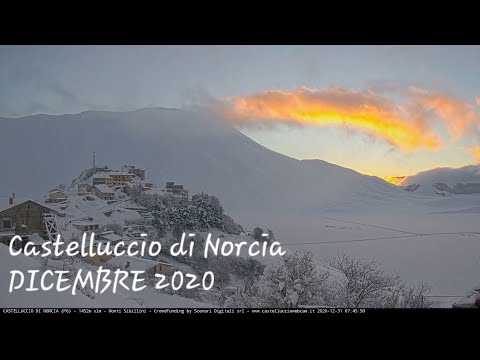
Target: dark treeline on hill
[{"x": 177, "y": 214}]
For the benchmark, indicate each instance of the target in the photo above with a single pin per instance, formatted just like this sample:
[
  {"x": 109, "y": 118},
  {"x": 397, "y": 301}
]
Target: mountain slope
[{"x": 193, "y": 148}]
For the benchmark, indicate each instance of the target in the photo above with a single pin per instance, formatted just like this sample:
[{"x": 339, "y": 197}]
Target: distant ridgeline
[
  {"x": 445, "y": 181},
  {"x": 440, "y": 188}
]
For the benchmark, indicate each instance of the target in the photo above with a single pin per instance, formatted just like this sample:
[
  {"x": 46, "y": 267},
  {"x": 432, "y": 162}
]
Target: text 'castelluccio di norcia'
[{"x": 104, "y": 279}]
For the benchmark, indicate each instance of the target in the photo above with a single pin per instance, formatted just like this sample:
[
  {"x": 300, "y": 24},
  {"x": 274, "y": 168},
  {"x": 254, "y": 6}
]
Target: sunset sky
[{"x": 380, "y": 110}]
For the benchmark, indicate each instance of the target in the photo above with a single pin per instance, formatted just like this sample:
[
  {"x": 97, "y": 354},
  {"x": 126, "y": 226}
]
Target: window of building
[{"x": 7, "y": 224}]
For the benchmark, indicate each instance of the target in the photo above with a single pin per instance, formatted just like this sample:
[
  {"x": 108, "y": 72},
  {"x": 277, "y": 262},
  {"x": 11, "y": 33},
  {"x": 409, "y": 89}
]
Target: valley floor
[{"x": 434, "y": 240}]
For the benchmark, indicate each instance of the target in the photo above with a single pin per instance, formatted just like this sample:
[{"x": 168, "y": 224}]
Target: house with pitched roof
[{"x": 21, "y": 216}]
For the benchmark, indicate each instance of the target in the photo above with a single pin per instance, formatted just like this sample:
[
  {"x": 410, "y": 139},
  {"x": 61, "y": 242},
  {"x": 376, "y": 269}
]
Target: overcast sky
[{"x": 69, "y": 79}]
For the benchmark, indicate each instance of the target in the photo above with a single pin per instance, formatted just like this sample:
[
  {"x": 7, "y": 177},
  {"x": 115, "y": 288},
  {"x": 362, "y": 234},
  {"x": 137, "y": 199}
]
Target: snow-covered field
[{"x": 389, "y": 233}]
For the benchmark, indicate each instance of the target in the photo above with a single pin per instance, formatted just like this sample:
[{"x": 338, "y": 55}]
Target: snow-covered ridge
[{"x": 445, "y": 181}]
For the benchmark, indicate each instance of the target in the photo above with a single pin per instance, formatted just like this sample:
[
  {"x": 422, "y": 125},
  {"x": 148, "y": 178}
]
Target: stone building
[
  {"x": 57, "y": 195},
  {"x": 118, "y": 178},
  {"x": 104, "y": 192},
  {"x": 21, "y": 217}
]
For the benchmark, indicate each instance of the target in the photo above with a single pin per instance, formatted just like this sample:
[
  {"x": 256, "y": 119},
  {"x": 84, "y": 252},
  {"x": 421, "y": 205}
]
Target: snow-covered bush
[
  {"x": 230, "y": 227},
  {"x": 244, "y": 299},
  {"x": 209, "y": 211},
  {"x": 201, "y": 212},
  {"x": 295, "y": 280}
]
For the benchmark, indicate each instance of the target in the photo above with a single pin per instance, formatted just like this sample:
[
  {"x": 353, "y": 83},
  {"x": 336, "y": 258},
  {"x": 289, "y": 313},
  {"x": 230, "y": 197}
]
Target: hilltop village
[
  {"x": 97, "y": 201},
  {"x": 120, "y": 206}
]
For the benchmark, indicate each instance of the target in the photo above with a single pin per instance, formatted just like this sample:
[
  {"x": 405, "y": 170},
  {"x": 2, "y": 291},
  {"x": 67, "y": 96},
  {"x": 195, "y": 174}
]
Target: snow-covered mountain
[
  {"x": 193, "y": 148},
  {"x": 445, "y": 181}
]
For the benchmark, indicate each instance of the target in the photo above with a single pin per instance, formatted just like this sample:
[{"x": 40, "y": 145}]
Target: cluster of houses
[
  {"x": 26, "y": 217},
  {"x": 111, "y": 185},
  {"x": 176, "y": 189}
]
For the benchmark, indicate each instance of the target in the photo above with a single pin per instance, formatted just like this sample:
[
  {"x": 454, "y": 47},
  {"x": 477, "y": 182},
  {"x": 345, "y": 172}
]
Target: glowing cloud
[
  {"x": 408, "y": 127},
  {"x": 475, "y": 151},
  {"x": 458, "y": 115}
]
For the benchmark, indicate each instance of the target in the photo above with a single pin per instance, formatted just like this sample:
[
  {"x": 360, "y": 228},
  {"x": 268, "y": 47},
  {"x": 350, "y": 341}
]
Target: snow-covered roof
[
  {"x": 120, "y": 173},
  {"x": 56, "y": 190},
  {"x": 104, "y": 189},
  {"x": 154, "y": 191},
  {"x": 110, "y": 237},
  {"x": 135, "y": 207},
  {"x": 138, "y": 181},
  {"x": 136, "y": 263},
  {"x": 84, "y": 223},
  {"x": 5, "y": 204},
  {"x": 97, "y": 242},
  {"x": 35, "y": 239},
  {"x": 100, "y": 176}
]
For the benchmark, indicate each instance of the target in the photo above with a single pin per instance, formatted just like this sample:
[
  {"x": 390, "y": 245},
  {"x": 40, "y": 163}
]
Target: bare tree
[
  {"x": 363, "y": 283},
  {"x": 417, "y": 297}
]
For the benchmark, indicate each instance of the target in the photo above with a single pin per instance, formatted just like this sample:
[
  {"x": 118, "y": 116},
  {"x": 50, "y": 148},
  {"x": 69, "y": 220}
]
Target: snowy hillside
[{"x": 445, "y": 181}]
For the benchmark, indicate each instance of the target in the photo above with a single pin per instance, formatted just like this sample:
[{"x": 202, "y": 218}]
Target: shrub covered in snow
[
  {"x": 177, "y": 214},
  {"x": 295, "y": 280}
]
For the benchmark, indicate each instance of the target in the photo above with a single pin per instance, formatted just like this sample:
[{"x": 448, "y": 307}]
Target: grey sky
[
  {"x": 72, "y": 78},
  {"x": 69, "y": 79}
]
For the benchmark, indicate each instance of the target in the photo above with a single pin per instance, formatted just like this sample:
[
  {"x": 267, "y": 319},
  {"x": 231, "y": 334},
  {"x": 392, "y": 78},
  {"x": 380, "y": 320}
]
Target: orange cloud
[
  {"x": 407, "y": 127},
  {"x": 457, "y": 114},
  {"x": 475, "y": 151}
]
